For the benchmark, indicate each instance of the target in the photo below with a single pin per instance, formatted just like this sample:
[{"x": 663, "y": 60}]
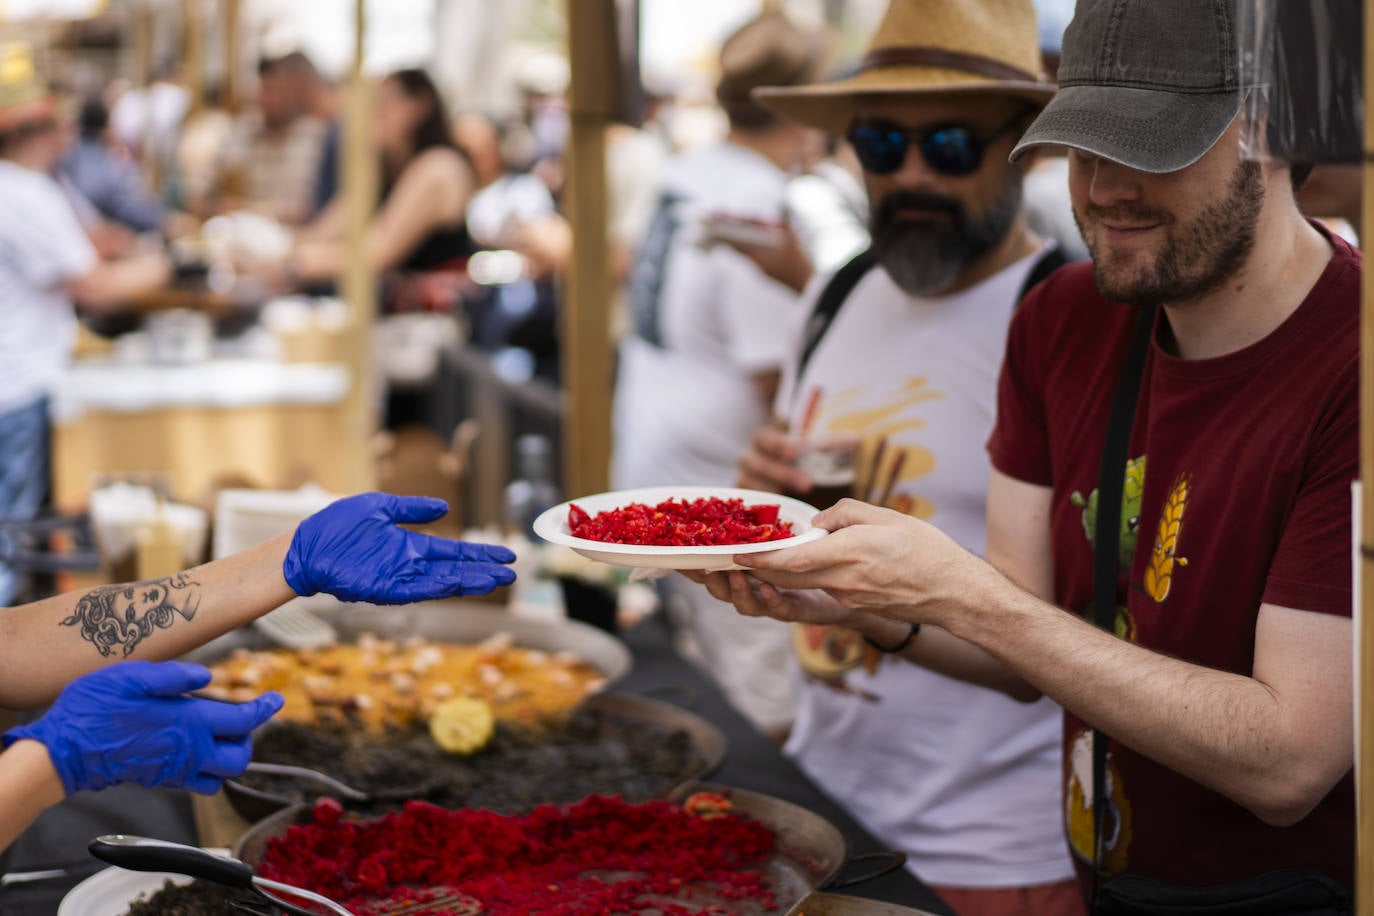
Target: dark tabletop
[{"x": 754, "y": 762}]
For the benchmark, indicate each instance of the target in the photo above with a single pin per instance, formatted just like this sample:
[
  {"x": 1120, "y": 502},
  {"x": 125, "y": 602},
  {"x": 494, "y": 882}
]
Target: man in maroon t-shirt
[{"x": 1226, "y": 688}]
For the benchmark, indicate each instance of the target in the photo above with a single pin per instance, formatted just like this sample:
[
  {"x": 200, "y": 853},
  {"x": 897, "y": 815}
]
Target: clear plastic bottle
[
  {"x": 531, "y": 492},
  {"x": 533, "y": 489}
]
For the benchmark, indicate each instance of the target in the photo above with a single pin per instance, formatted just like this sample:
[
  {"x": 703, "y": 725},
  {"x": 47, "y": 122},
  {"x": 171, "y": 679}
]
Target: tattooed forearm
[{"x": 119, "y": 617}]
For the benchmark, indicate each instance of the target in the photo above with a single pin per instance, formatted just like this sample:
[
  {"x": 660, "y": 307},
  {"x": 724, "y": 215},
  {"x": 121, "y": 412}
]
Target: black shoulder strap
[
  {"x": 833, "y": 296},
  {"x": 1111, "y": 480},
  {"x": 830, "y": 301},
  {"x": 1048, "y": 263}
]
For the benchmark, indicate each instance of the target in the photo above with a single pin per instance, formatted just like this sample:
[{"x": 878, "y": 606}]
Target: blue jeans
[{"x": 24, "y": 457}]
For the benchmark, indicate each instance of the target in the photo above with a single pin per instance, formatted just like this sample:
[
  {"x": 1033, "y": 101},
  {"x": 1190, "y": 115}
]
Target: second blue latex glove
[
  {"x": 355, "y": 550},
  {"x": 131, "y": 723}
]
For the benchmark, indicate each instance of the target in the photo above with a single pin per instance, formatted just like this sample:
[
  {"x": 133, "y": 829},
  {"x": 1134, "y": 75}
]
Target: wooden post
[
  {"x": 1364, "y": 687},
  {"x": 358, "y": 170},
  {"x": 587, "y": 359},
  {"x": 193, "y": 51},
  {"x": 143, "y": 39},
  {"x": 230, "y": 88}
]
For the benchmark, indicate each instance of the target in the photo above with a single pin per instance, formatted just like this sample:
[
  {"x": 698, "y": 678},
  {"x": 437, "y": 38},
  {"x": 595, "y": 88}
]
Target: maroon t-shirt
[{"x": 1239, "y": 488}]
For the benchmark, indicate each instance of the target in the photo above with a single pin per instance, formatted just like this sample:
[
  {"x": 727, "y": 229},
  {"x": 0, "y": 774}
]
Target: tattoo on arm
[{"x": 119, "y": 617}]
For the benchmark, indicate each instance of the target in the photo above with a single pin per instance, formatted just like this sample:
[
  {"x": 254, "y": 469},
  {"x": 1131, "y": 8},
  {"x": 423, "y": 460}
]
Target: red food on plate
[{"x": 709, "y": 522}]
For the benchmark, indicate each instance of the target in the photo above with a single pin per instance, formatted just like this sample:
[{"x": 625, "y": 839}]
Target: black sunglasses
[{"x": 949, "y": 149}]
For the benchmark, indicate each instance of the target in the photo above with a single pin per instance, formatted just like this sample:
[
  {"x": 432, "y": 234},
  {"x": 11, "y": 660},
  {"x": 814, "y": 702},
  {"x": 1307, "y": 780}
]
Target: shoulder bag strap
[
  {"x": 833, "y": 296},
  {"x": 829, "y": 302},
  {"x": 1111, "y": 480}
]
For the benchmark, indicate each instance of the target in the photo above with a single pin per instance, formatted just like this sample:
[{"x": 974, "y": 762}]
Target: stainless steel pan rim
[{"x": 809, "y": 851}]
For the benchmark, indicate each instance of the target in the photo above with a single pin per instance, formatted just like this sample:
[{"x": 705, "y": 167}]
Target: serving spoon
[
  {"x": 306, "y": 774},
  {"x": 138, "y": 853}
]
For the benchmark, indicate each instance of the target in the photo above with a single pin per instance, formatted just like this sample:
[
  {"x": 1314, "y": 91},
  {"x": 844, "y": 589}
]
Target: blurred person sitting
[
  {"x": 700, "y": 369},
  {"x": 47, "y": 265},
  {"x": 276, "y": 153},
  {"x": 427, "y": 183},
  {"x": 122, "y": 717},
  {"x": 106, "y": 179},
  {"x": 109, "y": 238}
]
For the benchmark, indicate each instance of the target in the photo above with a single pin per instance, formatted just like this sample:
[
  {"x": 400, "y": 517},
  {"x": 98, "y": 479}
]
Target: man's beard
[
  {"x": 927, "y": 258},
  {"x": 1197, "y": 257}
]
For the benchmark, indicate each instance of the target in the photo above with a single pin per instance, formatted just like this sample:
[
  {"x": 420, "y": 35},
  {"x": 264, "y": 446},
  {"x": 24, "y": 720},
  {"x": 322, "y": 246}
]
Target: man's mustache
[
  {"x": 1127, "y": 213},
  {"x": 916, "y": 200}
]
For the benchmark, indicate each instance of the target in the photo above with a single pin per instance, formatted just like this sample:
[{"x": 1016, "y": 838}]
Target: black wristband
[{"x": 890, "y": 650}]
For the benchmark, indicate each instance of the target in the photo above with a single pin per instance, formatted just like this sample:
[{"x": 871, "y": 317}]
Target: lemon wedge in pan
[{"x": 462, "y": 725}]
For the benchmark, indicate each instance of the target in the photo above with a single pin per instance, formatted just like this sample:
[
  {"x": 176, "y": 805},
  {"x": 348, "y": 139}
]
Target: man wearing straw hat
[
  {"x": 46, "y": 264},
  {"x": 894, "y": 360},
  {"x": 1208, "y": 726}
]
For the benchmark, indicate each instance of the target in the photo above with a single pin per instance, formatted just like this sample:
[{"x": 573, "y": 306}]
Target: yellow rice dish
[{"x": 377, "y": 682}]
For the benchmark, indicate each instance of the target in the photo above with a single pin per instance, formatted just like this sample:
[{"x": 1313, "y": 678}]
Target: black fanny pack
[
  {"x": 1290, "y": 892},
  {"x": 1286, "y": 892}
]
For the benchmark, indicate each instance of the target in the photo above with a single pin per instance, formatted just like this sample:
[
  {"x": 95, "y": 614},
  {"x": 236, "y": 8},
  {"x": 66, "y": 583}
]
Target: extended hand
[
  {"x": 355, "y": 550},
  {"x": 875, "y": 560},
  {"x": 131, "y": 723},
  {"x": 754, "y": 598}
]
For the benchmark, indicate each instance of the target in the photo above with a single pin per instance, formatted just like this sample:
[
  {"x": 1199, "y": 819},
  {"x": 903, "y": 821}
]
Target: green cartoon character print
[{"x": 1131, "y": 494}]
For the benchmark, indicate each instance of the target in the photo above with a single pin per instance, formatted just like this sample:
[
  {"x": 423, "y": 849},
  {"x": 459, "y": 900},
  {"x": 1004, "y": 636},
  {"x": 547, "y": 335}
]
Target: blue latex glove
[
  {"x": 354, "y": 550},
  {"x": 130, "y": 723}
]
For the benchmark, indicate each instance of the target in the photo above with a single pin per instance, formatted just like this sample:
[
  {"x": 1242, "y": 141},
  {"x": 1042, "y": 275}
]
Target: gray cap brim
[{"x": 1144, "y": 129}]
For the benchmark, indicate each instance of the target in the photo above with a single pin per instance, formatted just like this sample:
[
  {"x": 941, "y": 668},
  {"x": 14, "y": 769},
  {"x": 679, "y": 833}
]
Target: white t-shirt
[
  {"x": 706, "y": 321},
  {"x": 42, "y": 245},
  {"x": 964, "y": 779}
]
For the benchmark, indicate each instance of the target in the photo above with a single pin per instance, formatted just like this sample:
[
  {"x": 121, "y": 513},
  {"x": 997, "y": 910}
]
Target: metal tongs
[{"x": 138, "y": 853}]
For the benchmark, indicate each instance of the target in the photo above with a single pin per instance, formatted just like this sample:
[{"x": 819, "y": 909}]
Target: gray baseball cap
[{"x": 1151, "y": 84}]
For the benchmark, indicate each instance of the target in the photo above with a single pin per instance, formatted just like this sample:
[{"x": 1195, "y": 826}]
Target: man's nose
[
  {"x": 915, "y": 172},
  {"x": 1110, "y": 183}
]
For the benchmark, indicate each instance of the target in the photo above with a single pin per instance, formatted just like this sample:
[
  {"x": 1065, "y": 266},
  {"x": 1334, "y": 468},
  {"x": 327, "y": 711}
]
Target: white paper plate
[
  {"x": 552, "y": 526},
  {"x": 112, "y": 891}
]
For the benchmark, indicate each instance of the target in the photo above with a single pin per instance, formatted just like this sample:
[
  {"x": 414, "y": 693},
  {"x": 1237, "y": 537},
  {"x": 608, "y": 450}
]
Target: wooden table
[
  {"x": 252, "y": 423},
  {"x": 195, "y": 294}
]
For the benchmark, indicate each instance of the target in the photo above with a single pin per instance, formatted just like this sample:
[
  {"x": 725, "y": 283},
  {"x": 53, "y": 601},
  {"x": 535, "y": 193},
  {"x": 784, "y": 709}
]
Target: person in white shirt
[
  {"x": 700, "y": 366},
  {"x": 898, "y": 354},
  {"x": 47, "y": 265}
]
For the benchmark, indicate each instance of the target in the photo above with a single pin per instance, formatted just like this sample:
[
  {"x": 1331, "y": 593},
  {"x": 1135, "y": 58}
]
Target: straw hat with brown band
[
  {"x": 24, "y": 98},
  {"x": 974, "y": 46}
]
